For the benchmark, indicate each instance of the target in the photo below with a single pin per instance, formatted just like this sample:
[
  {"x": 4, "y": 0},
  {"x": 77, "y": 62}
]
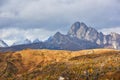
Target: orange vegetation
[{"x": 93, "y": 64}]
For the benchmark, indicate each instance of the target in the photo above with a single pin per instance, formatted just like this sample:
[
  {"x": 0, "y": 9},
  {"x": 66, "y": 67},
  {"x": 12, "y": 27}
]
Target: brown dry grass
[{"x": 50, "y": 64}]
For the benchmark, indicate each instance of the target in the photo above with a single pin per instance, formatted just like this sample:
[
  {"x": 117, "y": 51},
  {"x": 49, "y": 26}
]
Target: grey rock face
[
  {"x": 91, "y": 35},
  {"x": 73, "y": 31},
  {"x": 78, "y": 30},
  {"x": 112, "y": 39},
  {"x": 82, "y": 31}
]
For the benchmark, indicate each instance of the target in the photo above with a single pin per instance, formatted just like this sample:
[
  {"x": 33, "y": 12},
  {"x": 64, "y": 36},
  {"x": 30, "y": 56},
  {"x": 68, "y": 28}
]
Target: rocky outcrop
[
  {"x": 82, "y": 31},
  {"x": 112, "y": 39}
]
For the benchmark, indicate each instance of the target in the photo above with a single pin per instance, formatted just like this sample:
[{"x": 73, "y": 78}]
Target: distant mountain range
[{"x": 80, "y": 36}]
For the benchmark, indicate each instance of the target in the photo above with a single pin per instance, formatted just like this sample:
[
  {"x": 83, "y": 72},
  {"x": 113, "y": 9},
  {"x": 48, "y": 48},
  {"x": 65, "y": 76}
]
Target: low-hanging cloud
[
  {"x": 12, "y": 35},
  {"x": 110, "y": 30}
]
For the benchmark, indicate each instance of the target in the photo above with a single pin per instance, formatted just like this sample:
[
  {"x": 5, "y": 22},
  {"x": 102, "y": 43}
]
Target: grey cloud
[
  {"x": 55, "y": 14},
  {"x": 11, "y": 35},
  {"x": 2, "y": 2}
]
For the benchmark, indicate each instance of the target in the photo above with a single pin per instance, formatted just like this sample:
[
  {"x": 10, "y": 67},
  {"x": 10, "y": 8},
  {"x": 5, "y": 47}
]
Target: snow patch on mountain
[
  {"x": 3, "y": 44},
  {"x": 26, "y": 41}
]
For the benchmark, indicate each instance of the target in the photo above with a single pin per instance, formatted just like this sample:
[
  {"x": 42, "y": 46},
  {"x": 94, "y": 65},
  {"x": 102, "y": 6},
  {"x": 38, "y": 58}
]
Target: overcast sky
[{"x": 21, "y": 19}]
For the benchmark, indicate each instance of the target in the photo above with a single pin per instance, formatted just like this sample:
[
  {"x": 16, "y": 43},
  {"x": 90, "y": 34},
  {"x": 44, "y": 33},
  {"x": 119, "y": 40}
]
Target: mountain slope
[
  {"x": 3, "y": 44},
  {"x": 65, "y": 42},
  {"x": 54, "y": 64}
]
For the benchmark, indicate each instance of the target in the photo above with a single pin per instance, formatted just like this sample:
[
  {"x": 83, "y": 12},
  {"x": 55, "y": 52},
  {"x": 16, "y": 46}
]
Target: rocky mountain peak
[
  {"x": 76, "y": 26},
  {"x": 82, "y": 31},
  {"x": 77, "y": 29},
  {"x": 58, "y": 37},
  {"x": 57, "y": 34},
  {"x": 36, "y": 41}
]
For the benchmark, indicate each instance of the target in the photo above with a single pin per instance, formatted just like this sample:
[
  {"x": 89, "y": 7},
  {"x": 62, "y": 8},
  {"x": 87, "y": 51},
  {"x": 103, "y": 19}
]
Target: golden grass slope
[{"x": 93, "y": 64}]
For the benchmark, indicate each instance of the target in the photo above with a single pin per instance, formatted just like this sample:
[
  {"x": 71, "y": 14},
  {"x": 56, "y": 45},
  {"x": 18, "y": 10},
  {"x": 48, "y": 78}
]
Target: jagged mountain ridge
[
  {"x": 81, "y": 31},
  {"x": 80, "y": 36},
  {"x": 85, "y": 38},
  {"x": 66, "y": 42}
]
